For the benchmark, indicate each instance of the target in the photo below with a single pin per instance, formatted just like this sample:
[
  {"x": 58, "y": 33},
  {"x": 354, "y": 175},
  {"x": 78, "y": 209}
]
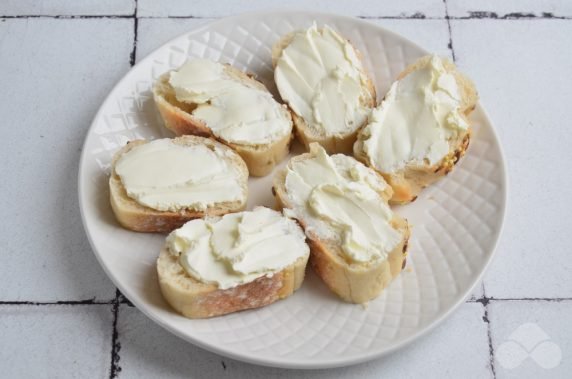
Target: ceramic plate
[{"x": 456, "y": 223}]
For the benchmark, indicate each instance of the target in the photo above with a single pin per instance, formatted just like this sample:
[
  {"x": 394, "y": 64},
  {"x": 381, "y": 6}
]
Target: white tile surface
[
  {"x": 464, "y": 8},
  {"x": 540, "y": 336},
  {"x": 66, "y": 7},
  {"x": 207, "y": 8},
  {"x": 55, "y": 74},
  {"x": 521, "y": 69},
  {"x": 431, "y": 35},
  {"x": 148, "y": 352},
  {"x": 154, "y": 32},
  {"x": 55, "y": 341}
]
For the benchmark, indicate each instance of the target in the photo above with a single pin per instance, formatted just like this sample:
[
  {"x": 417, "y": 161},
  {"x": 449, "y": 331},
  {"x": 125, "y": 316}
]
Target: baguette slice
[
  {"x": 353, "y": 282},
  {"x": 408, "y": 182},
  {"x": 134, "y": 216},
  {"x": 196, "y": 299},
  {"x": 331, "y": 142},
  {"x": 177, "y": 117}
]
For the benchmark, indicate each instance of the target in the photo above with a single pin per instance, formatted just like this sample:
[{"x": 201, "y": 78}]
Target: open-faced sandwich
[
  {"x": 217, "y": 100},
  {"x": 421, "y": 128},
  {"x": 214, "y": 266},
  {"x": 157, "y": 186},
  {"x": 358, "y": 243},
  {"x": 319, "y": 74}
]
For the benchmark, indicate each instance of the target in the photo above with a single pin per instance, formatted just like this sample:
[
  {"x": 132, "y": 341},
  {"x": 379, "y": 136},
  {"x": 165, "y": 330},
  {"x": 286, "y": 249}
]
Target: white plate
[{"x": 456, "y": 223}]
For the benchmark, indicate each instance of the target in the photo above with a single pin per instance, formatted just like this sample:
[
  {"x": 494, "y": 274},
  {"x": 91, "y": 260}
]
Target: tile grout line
[
  {"x": 133, "y": 54},
  {"x": 484, "y": 300},
  {"x": 115, "y": 344},
  {"x": 490, "y": 340},
  {"x": 450, "y": 44},
  {"x": 125, "y": 301},
  {"x": 67, "y": 17},
  {"x": 122, "y": 300},
  {"x": 473, "y": 15},
  {"x": 493, "y": 299},
  {"x": 477, "y": 15},
  {"x": 61, "y": 302}
]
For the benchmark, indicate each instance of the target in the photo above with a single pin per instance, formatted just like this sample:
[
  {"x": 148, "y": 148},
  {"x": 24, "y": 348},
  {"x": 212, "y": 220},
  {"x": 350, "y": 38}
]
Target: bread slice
[
  {"x": 198, "y": 298},
  {"x": 178, "y": 117},
  {"x": 332, "y": 143},
  {"x": 194, "y": 299},
  {"x": 408, "y": 182},
  {"x": 353, "y": 282},
  {"x": 134, "y": 216}
]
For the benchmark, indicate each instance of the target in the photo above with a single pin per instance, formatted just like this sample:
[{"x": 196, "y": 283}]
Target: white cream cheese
[
  {"x": 234, "y": 111},
  {"x": 239, "y": 247},
  {"x": 165, "y": 176},
  {"x": 415, "y": 121},
  {"x": 320, "y": 76},
  {"x": 338, "y": 198}
]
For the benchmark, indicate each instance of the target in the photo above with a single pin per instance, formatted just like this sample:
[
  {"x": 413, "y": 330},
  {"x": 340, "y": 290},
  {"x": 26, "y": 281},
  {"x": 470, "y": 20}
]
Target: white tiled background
[{"x": 61, "y": 317}]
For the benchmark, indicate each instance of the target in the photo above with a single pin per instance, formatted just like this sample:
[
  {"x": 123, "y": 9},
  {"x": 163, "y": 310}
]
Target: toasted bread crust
[
  {"x": 194, "y": 299},
  {"x": 136, "y": 217},
  {"x": 332, "y": 143},
  {"x": 177, "y": 117},
  {"x": 354, "y": 283},
  {"x": 408, "y": 183}
]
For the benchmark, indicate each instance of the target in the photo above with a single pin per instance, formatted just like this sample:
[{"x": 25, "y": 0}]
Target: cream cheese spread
[
  {"x": 166, "y": 176},
  {"x": 233, "y": 110},
  {"x": 239, "y": 247},
  {"x": 320, "y": 76},
  {"x": 338, "y": 198},
  {"x": 415, "y": 122}
]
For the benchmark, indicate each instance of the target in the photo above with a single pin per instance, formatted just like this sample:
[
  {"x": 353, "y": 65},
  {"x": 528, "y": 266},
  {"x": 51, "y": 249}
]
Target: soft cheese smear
[
  {"x": 234, "y": 111},
  {"x": 338, "y": 198},
  {"x": 415, "y": 121},
  {"x": 320, "y": 76},
  {"x": 167, "y": 176},
  {"x": 239, "y": 247}
]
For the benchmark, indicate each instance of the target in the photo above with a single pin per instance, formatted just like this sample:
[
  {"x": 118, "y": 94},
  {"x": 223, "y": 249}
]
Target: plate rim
[{"x": 277, "y": 361}]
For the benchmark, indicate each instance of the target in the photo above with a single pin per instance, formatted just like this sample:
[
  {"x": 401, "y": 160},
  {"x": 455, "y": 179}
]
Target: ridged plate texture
[{"x": 456, "y": 223}]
